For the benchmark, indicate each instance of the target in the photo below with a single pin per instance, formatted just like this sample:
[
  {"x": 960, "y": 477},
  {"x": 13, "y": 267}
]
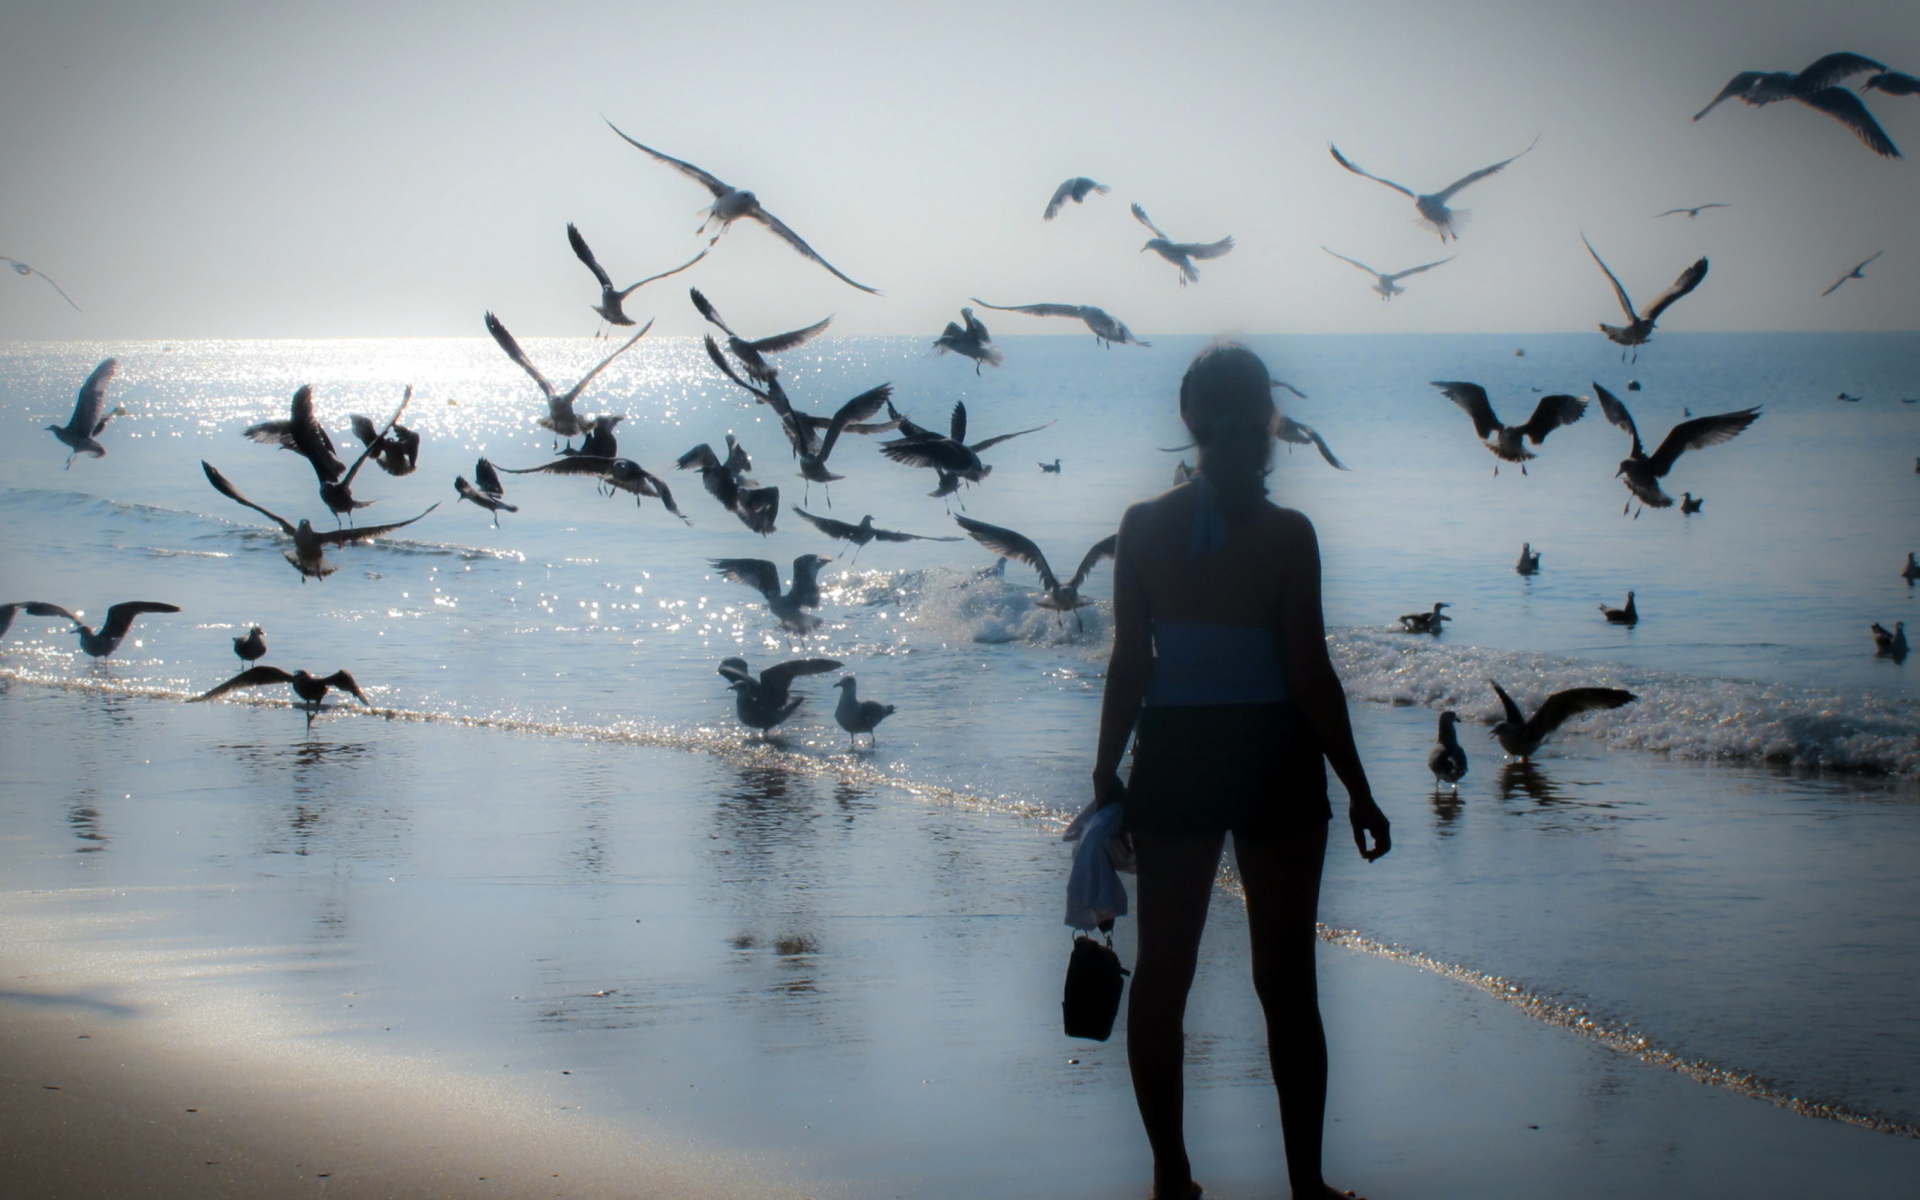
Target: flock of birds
[{"x": 765, "y": 700}]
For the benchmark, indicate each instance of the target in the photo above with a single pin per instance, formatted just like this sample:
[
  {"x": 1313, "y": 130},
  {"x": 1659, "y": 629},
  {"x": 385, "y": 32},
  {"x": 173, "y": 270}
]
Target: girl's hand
[
  {"x": 1106, "y": 787},
  {"x": 1367, "y": 818}
]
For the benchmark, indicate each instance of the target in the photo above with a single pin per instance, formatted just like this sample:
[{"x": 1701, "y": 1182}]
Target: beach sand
[{"x": 428, "y": 960}]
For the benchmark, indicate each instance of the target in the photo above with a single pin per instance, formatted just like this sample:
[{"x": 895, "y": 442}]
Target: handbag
[{"x": 1095, "y": 980}]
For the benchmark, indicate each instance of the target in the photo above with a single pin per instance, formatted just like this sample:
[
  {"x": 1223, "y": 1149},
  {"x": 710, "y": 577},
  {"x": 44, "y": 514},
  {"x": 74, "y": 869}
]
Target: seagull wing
[
  {"x": 1013, "y": 545},
  {"x": 957, "y": 424},
  {"x": 1506, "y": 702},
  {"x": 93, "y": 395},
  {"x": 1689, "y": 279},
  {"x": 708, "y": 311},
  {"x": 374, "y": 444},
  {"x": 121, "y": 616},
  {"x": 488, "y": 479},
  {"x": 1356, "y": 262},
  {"x": 1846, "y": 108},
  {"x": 632, "y": 288},
  {"x": 975, "y": 328},
  {"x": 1739, "y": 85},
  {"x": 859, "y": 408},
  {"x": 1477, "y": 176},
  {"x": 1850, "y": 274},
  {"x": 1302, "y": 435},
  {"x": 1618, "y": 291},
  {"x": 1204, "y": 249},
  {"x": 701, "y": 456},
  {"x": 24, "y": 269},
  {"x": 1039, "y": 310},
  {"x": 756, "y": 573},
  {"x": 579, "y": 245},
  {"x": 573, "y": 393},
  {"x": 793, "y": 239},
  {"x": 1473, "y": 399},
  {"x": 40, "y": 608},
  {"x": 1342, "y": 160},
  {"x": 1281, "y": 383},
  {"x": 347, "y": 537},
  {"x": 1571, "y": 702},
  {"x": 685, "y": 168},
  {"x": 839, "y": 530},
  {"x": 1830, "y": 69},
  {"x": 514, "y": 352},
  {"x": 780, "y": 676},
  {"x": 1060, "y": 195},
  {"x": 310, "y": 439},
  {"x": 1550, "y": 414},
  {"x": 787, "y": 341},
  {"x": 252, "y": 677},
  {"x": 232, "y": 493},
  {"x": 363, "y": 428},
  {"x": 894, "y": 535},
  {"x": 1423, "y": 267},
  {"x": 274, "y": 433},
  {"x": 977, "y": 447},
  {"x": 942, "y": 454},
  {"x": 1698, "y": 434},
  {"x": 1617, "y": 413},
  {"x": 726, "y": 368},
  {"x": 1101, "y": 549},
  {"x": 1140, "y": 215},
  {"x": 573, "y": 464},
  {"x": 346, "y": 683}
]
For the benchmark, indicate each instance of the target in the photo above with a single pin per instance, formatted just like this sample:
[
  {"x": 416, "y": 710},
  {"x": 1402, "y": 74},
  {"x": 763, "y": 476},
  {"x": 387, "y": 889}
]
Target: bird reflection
[
  {"x": 1447, "y": 807},
  {"x": 1526, "y": 779},
  {"x": 83, "y": 814}
]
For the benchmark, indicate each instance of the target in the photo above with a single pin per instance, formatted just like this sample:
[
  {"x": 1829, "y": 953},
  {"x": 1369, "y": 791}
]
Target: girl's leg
[{"x": 1175, "y": 885}]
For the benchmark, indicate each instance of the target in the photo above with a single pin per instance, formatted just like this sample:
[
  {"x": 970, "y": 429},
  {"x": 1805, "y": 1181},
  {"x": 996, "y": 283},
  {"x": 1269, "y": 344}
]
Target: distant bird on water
[
  {"x": 1894, "y": 644},
  {"x": 1432, "y": 208},
  {"x": 1529, "y": 563},
  {"x": 252, "y": 647},
  {"x": 310, "y": 688},
  {"x": 1690, "y": 504},
  {"x": 20, "y": 268},
  {"x": 1447, "y": 760},
  {"x": 726, "y": 481},
  {"x": 1180, "y": 254},
  {"x": 1816, "y": 87},
  {"x": 1693, "y": 212},
  {"x": 487, "y": 491},
  {"x": 1426, "y": 622},
  {"x": 1508, "y": 442},
  {"x": 858, "y": 716},
  {"x": 864, "y": 532},
  {"x": 731, "y": 203},
  {"x": 1106, "y": 330},
  {"x": 82, "y": 429},
  {"x": 1911, "y": 571},
  {"x": 1642, "y": 472},
  {"x": 765, "y": 701},
  {"x": 973, "y": 341},
  {"x": 1628, "y": 615},
  {"x": 1639, "y": 326},
  {"x": 308, "y": 555},
  {"x": 1388, "y": 285},
  {"x": 1520, "y": 735},
  {"x": 1893, "y": 83},
  {"x": 1856, "y": 273},
  {"x": 752, "y": 354},
  {"x": 612, "y": 298},
  {"x": 1076, "y": 190},
  {"x": 1052, "y": 468},
  {"x": 1060, "y": 597},
  {"x": 561, "y": 418},
  {"x": 764, "y": 577},
  {"x": 120, "y": 619}
]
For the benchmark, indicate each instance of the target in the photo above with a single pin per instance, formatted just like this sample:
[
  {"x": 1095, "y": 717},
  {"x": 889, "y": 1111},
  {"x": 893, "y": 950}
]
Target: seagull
[
  {"x": 727, "y": 482},
  {"x": 1180, "y": 254},
  {"x": 614, "y": 474},
  {"x": 972, "y": 341},
  {"x": 764, "y": 702},
  {"x": 560, "y": 418},
  {"x": 1520, "y": 736},
  {"x": 1849, "y": 399},
  {"x": 1529, "y": 563},
  {"x": 1052, "y": 468},
  {"x": 1893, "y": 83},
  {"x": 1388, "y": 285},
  {"x": 1911, "y": 571},
  {"x": 1892, "y": 644},
  {"x": 1816, "y": 87},
  {"x": 1295, "y": 434},
  {"x": 20, "y": 268},
  {"x": 611, "y": 298},
  {"x": 952, "y": 457},
  {"x": 1059, "y": 597},
  {"x": 751, "y": 353},
  {"x": 1447, "y": 760},
  {"x": 1640, "y": 327},
  {"x": 1642, "y": 472},
  {"x": 397, "y": 451},
  {"x": 1434, "y": 213},
  {"x": 311, "y": 688},
  {"x": 86, "y": 422},
  {"x": 1689, "y": 505},
  {"x": 1107, "y": 331},
  {"x": 1622, "y": 616},
  {"x": 864, "y": 532},
  {"x": 1853, "y": 274},
  {"x": 120, "y": 619},
  {"x": 308, "y": 555},
  {"x": 251, "y": 647},
  {"x": 1074, "y": 189},
  {"x": 1426, "y": 622},
  {"x": 1508, "y": 442},
  {"x": 1693, "y": 212},
  {"x": 489, "y": 491},
  {"x": 764, "y": 577},
  {"x": 600, "y": 441},
  {"x": 858, "y": 716},
  {"x": 731, "y": 203},
  {"x": 813, "y": 439}
]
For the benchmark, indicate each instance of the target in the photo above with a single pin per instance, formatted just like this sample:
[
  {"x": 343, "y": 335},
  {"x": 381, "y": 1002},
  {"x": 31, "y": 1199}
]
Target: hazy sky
[{"x": 394, "y": 169}]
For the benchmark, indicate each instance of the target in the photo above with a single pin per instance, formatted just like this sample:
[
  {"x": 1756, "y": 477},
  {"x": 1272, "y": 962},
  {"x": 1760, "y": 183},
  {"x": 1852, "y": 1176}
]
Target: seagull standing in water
[
  {"x": 1911, "y": 571},
  {"x": 1892, "y": 644},
  {"x": 864, "y": 532},
  {"x": 488, "y": 493},
  {"x": 20, "y": 268},
  {"x": 1426, "y": 622},
  {"x": 1629, "y": 615},
  {"x": 1059, "y": 597},
  {"x": 1508, "y": 442},
  {"x": 757, "y": 507},
  {"x": 1432, "y": 208},
  {"x": 1690, "y": 504},
  {"x": 1388, "y": 285},
  {"x": 560, "y": 418},
  {"x": 1106, "y": 330},
  {"x": 1447, "y": 760},
  {"x": 252, "y": 647},
  {"x": 764, "y": 577},
  {"x": 731, "y": 203},
  {"x": 308, "y": 555},
  {"x": 1529, "y": 563},
  {"x": 612, "y": 298},
  {"x": 1180, "y": 254},
  {"x": 1642, "y": 472},
  {"x": 1052, "y": 468},
  {"x": 1693, "y": 212},
  {"x": 1520, "y": 735},
  {"x": 120, "y": 619},
  {"x": 1816, "y": 87},
  {"x": 1076, "y": 190},
  {"x": 84, "y": 426},
  {"x": 1639, "y": 327},
  {"x": 972, "y": 341},
  {"x": 1853, "y": 274},
  {"x": 858, "y": 716},
  {"x": 310, "y": 688},
  {"x": 763, "y": 702}
]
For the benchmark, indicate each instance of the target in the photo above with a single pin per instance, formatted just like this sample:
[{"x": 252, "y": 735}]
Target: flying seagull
[
  {"x": 611, "y": 298},
  {"x": 1426, "y": 622},
  {"x": 1508, "y": 442},
  {"x": 20, "y": 268},
  {"x": 1520, "y": 735},
  {"x": 600, "y": 441},
  {"x": 764, "y": 577},
  {"x": 1640, "y": 327},
  {"x": 310, "y": 688},
  {"x": 951, "y": 456},
  {"x": 972, "y": 341},
  {"x": 120, "y": 619},
  {"x": 765, "y": 701},
  {"x": 83, "y": 427},
  {"x": 864, "y": 532},
  {"x": 1816, "y": 87},
  {"x": 812, "y": 438},
  {"x": 1853, "y": 274},
  {"x": 1388, "y": 285},
  {"x": 1893, "y": 83},
  {"x": 613, "y": 474},
  {"x": 752, "y": 353},
  {"x": 1107, "y": 331},
  {"x": 1627, "y": 614},
  {"x": 1074, "y": 189},
  {"x": 1433, "y": 209},
  {"x": 731, "y": 203},
  {"x": 1295, "y": 434},
  {"x": 560, "y": 418},
  {"x": 308, "y": 555},
  {"x": 397, "y": 451},
  {"x": 1693, "y": 212},
  {"x": 1642, "y": 472},
  {"x": 252, "y": 647},
  {"x": 1447, "y": 760},
  {"x": 858, "y": 716},
  {"x": 303, "y": 434},
  {"x": 726, "y": 481},
  {"x": 1060, "y": 597},
  {"x": 487, "y": 490},
  {"x": 1180, "y": 254}
]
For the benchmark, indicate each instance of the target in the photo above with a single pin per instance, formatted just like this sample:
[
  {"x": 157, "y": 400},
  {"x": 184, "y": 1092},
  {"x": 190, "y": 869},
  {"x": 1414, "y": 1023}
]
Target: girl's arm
[{"x": 1128, "y": 669}]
